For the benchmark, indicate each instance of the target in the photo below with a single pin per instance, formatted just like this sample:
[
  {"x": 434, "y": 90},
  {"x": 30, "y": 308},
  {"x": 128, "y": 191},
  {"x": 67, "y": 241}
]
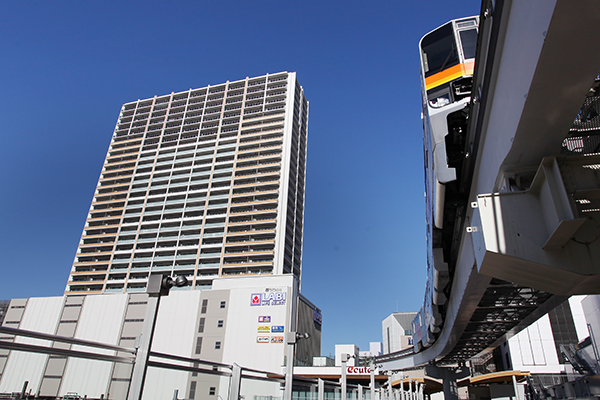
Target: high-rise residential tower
[{"x": 203, "y": 183}]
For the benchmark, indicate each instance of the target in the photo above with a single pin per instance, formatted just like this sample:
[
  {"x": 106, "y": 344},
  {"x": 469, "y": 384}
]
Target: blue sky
[{"x": 67, "y": 67}]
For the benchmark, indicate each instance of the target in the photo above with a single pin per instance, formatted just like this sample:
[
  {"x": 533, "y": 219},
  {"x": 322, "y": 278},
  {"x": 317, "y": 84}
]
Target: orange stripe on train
[{"x": 449, "y": 74}]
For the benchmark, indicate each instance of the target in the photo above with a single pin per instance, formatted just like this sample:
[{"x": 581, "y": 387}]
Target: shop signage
[
  {"x": 276, "y": 339},
  {"x": 277, "y": 329},
  {"x": 264, "y": 329},
  {"x": 358, "y": 370},
  {"x": 317, "y": 317},
  {"x": 262, "y": 339},
  {"x": 264, "y": 319},
  {"x": 268, "y": 299}
]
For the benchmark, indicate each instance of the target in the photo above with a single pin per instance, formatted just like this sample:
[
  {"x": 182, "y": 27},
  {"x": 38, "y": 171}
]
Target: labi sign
[{"x": 268, "y": 299}]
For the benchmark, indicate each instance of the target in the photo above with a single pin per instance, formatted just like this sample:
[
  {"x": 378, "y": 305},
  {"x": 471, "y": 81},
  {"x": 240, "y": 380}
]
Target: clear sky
[{"x": 66, "y": 68}]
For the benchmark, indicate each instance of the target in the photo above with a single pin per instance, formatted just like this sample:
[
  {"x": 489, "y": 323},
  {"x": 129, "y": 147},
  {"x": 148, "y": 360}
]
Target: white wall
[
  {"x": 376, "y": 348},
  {"x": 397, "y": 339},
  {"x": 41, "y": 315},
  {"x": 579, "y": 317},
  {"x": 100, "y": 321},
  {"x": 591, "y": 308},
  {"x": 174, "y": 334},
  {"x": 241, "y": 337},
  {"x": 533, "y": 349}
]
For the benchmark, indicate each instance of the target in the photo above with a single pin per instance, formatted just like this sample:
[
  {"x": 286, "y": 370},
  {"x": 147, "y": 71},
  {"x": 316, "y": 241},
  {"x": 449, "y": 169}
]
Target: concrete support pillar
[
  {"x": 291, "y": 342},
  {"x": 372, "y": 381},
  {"x": 402, "y": 389},
  {"x": 236, "y": 382},
  {"x": 321, "y": 389},
  {"x": 449, "y": 376},
  {"x": 343, "y": 377},
  {"x": 516, "y": 388}
]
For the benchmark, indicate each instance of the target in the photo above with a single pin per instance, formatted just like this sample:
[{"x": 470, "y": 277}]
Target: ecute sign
[{"x": 358, "y": 370}]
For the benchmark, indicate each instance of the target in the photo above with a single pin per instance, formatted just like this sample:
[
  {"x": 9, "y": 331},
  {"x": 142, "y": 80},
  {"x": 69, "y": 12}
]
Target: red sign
[{"x": 358, "y": 370}]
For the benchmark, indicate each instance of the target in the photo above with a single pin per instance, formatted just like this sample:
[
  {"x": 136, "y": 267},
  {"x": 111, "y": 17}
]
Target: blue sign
[
  {"x": 277, "y": 329},
  {"x": 317, "y": 317}
]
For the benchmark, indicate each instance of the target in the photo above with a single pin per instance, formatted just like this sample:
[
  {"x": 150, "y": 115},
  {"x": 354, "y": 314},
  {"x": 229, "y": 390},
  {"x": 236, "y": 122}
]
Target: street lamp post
[
  {"x": 343, "y": 382},
  {"x": 158, "y": 285},
  {"x": 372, "y": 380},
  {"x": 291, "y": 342}
]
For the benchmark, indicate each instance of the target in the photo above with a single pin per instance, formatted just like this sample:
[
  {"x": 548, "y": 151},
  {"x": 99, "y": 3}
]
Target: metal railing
[{"x": 232, "y": 380}]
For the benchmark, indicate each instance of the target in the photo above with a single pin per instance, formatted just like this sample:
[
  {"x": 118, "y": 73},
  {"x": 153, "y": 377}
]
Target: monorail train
[{"x": 447, "y": 60}]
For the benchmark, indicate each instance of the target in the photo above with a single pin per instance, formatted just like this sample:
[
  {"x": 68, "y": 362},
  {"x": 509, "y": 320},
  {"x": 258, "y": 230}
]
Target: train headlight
[{"x": 439, "y": 102}]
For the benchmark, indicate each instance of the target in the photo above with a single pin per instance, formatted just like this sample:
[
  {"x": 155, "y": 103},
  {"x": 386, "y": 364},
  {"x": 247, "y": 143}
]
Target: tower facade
[{"x": 203, "y": 183}]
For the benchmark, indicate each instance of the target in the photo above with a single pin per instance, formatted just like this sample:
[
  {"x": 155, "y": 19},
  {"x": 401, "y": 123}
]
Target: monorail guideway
[{"x": 512, "y": 164}]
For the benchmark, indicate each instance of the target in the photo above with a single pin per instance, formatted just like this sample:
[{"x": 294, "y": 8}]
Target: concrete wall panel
[
  {"x": 132, "y": 329},
  {"x": 66, "y": 329},
  {"x": 70, "y": 313},
  {"x": 50, "y": 385},
  {"x": 118, "y": 389}
]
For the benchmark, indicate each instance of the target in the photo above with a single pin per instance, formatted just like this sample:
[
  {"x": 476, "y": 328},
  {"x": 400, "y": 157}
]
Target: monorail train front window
[
  {"x": 468, "y": 39},
  {"x": 439, "y": 50}
]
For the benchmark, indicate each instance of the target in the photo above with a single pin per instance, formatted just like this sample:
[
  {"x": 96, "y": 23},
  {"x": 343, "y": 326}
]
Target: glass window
[
  {"x": 220, "y": 323},
  {"x": 201, "y": 325},
  {"x": 204, "y": 306},
  {"x": 212, "y": 391},
  {"x": 439, "y": 50},
  {"x": 223, "y": 304},
  {"x": 217, "y": 345},
  {"x": 468, "y": 39}
]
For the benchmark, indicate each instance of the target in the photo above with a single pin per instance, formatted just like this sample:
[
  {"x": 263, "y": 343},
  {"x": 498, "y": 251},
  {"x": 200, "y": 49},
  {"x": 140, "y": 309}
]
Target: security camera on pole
[
  {"x": 345, "y": 358},
  {"x": 158, "y": 285}
]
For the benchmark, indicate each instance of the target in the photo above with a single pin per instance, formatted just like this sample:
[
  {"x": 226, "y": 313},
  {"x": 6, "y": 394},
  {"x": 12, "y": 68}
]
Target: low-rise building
[{"x": 241, "y": 320}]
